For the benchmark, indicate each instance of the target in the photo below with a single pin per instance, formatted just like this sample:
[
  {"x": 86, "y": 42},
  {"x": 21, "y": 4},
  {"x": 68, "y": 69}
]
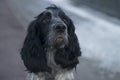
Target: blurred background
[{"x": 97, "y": 27}]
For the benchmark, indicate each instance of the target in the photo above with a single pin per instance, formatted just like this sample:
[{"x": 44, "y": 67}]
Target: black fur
[{"x": 33, "y": 51}]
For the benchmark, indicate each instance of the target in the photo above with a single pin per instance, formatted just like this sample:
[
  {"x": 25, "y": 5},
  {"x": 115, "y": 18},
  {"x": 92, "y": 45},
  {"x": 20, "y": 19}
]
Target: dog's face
[
  {"x": 55, "y": 27},
  {"x": 52, "y": 28}
]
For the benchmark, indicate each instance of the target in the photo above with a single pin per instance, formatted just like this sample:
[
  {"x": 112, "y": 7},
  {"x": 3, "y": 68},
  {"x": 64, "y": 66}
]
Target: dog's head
[
  {"x": 51, "y": 28},
  {"x": 54, "y": 26}
]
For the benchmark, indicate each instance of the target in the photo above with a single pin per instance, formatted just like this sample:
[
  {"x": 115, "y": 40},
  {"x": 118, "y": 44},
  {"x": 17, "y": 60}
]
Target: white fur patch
[
  {"x": 65, "y": 76},
  {"x": 40, "y": 76},
  {"x": 69, "y": 76},
  {"x": 30, "y": 76}
]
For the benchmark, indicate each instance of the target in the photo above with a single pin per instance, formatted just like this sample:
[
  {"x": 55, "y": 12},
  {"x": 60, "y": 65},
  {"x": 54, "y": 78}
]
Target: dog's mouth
[{"x": 60, "y": 42}]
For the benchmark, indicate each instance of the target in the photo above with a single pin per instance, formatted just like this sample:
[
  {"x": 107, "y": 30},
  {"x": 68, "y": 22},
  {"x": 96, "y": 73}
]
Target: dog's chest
[{"x": 51, "y": 61}]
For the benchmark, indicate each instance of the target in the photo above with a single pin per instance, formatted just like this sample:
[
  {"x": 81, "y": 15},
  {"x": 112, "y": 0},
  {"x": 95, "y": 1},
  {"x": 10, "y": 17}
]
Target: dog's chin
[{"x": 60, "y": 42}]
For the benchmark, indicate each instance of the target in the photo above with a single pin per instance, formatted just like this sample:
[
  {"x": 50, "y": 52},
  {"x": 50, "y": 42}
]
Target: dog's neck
[
  {"x": 51, "y": 61},
  {"x": 50, "y": 56}
]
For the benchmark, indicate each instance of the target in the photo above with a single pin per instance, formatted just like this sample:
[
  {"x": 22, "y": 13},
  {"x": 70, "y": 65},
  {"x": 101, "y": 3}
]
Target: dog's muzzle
[
  {"x": 60, "y": 28},
  {"x": 60, "y": 35}
]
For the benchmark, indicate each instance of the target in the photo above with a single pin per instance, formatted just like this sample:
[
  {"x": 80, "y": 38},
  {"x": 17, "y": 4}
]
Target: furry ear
[
  {"x": 73, "y": 46},
  {"x": 68, "y": 57},
  {"x": 33, "y": 53}
]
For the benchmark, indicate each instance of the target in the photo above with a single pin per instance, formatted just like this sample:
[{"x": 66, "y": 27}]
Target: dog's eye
[
  {"x": 63, "y": 17},
  {"x": 65, "y": 20},
  {"x": 46, "y": 18}
]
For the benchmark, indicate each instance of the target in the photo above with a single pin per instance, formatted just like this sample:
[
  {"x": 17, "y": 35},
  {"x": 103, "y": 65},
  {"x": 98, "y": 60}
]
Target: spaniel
[{"x": 51, "y": 49}]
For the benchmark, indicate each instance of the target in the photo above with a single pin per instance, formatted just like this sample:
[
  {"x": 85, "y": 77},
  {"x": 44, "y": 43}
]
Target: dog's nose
[{"x": 60, "y": 27}]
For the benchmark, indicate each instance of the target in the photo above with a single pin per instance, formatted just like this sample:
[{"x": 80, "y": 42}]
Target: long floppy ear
[
  {"x": 68, "y": 58},
  {"x": 33, "y": 53},
  {"x": 73, "y": 45}
]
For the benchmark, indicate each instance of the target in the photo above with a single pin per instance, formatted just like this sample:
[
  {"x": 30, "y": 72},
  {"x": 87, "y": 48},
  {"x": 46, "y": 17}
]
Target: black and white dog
[{"x": 51, "y": 48}]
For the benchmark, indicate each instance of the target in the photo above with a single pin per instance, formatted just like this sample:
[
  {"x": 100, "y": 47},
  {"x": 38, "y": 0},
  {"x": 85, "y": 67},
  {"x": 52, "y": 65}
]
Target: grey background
[
  {"x": 110, "y": 7},
  {"x": 98, "y": 35}
]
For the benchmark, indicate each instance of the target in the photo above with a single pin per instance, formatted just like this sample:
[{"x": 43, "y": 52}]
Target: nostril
[{"x": 60, "y": 27}]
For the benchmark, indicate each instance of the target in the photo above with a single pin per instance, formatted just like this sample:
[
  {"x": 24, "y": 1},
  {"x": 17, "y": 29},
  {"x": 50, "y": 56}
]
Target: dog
[{"x": 51, "y": 49}]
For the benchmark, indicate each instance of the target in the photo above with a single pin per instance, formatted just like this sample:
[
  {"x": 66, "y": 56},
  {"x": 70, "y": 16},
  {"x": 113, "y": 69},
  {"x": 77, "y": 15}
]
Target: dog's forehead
[
  {"x": 54, "y": 10},
  {"x": 53, "y": 6}
]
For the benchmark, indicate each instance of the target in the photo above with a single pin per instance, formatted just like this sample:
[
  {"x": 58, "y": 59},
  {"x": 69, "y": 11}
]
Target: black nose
[{"x": 60, "y": 27}]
